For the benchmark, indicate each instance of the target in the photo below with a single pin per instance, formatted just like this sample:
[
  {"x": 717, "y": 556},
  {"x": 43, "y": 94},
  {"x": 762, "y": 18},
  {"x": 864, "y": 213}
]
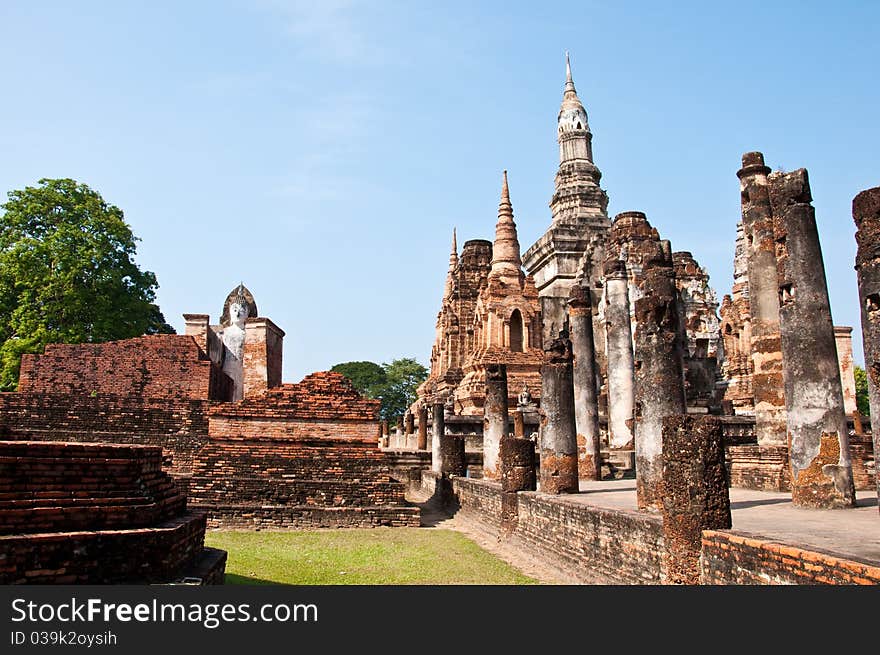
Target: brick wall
[
  {"x": 157, "y": 366},
  {"x": 301, "y": 455},
  {"x": 591, "y": 544},
  {"x": 51, "y": 487},
  {"x": 179, "y": 426},
  {"x": 156, "y": 554},
  {"x": 731, "y": 558},
  {"x": 95, "y": 513}
]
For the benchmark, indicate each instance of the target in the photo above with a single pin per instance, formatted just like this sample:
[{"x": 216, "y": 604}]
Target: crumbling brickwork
[
  {"x": 96, "y": 514},
  {"x": 736, "y": 395},
  {"x": 158, "y": 366},
  {"x": 695, "y": 496},
  {"x": 299, "y": 455}
]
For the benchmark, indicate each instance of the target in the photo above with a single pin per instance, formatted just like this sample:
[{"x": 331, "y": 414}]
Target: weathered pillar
[
  {"x": 452, "y": 460},
  {"x": 695, "y": 492},
  {"x": 517, "y": 474},
  {"x": 659, "y": 375},
  {"x": 422, "y": 443},
  {"x": 409, "y": 422},
  {"x": 866, "y": 213},
  {"x": 519, "y": 423},
  {"x": 401, "y": 440},
  {"x": 559, "y": 468},
  {"x": 586, "y": 406},
  {"x": 384, "y": 438},
  {"x": 766, "y": 354},
  {"x": 618, "y": 341},
  {"x": 495, "y": 419},
  {"x": 821, "y": 469},
  {"x": 843, "y": 342},
  {"x": 438, "y": 429}
]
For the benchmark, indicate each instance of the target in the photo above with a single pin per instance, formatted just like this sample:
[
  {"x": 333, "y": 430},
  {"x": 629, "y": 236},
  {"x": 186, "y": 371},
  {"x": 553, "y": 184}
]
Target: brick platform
[
  {"x": 298, "y": 456},
  {"x": 96, "y": 513}
]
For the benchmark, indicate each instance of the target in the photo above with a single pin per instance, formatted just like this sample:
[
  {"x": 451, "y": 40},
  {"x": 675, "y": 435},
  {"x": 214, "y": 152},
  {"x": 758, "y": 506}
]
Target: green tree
[
  {"x": 367, "y": 377},
  {"x": 862, "y": 391},
  {"x": 403, "y": 376},
  {"x": 67, "y": 273}
]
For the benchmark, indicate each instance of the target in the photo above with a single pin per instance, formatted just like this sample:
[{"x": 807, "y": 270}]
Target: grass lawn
[{"x": 370, "y": 556}]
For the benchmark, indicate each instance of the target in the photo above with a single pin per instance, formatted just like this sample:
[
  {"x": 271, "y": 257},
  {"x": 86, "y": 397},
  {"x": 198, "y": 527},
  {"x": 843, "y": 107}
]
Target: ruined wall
[
  {"x": 593, "y": 545},
  {"x": 299, "y": 455},
  {"x": 735, "y": 389},
  {"x": 96, "y": 514},
  {"x": 179, "y": 426},
  {"x": 733, "y": 558},
  {"x": 157, "y": 366}
]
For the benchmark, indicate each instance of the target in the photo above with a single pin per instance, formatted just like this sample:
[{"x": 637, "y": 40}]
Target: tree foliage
[
  {"x": 67, "y": 273},
  {"x": 862, "y": 391},
  {"x": 367, "y": 377},
  {"x": 393, "y": 383}
]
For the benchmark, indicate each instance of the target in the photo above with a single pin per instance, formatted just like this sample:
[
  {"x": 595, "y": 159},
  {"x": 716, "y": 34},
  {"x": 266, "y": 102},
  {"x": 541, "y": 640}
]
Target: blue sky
[{"x": 323, "y": 152}]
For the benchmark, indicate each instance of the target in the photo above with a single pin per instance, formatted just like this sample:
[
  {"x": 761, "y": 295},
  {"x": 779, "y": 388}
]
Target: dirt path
[{"x": 435, "y": 517}]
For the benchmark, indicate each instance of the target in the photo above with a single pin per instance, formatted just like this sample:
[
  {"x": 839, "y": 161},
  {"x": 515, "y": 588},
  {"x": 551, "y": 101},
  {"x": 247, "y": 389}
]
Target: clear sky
[{"x": 322, "y": 152}]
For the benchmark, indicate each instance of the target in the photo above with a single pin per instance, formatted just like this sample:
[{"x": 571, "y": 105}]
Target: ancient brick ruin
[{"x": 96, "y": 514}]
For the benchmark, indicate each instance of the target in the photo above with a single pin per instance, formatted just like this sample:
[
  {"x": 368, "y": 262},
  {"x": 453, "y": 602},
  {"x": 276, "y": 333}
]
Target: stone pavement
[{"x": 849, "y": 533}]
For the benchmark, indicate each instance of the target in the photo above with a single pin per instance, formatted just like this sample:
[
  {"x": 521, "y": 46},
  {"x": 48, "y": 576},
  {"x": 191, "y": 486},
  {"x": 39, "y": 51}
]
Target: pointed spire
[
  {"x": 569, "y": 83},
  {"x": 453, "y": 264},
  {"x": 505, "y": 251}
]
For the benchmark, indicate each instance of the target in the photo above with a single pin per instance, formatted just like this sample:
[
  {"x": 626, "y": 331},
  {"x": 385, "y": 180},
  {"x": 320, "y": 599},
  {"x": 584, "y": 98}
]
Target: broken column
[
  {"x": 586, "y": 407},
  {"x": 695, "y": 492},
  {"x": 495, "y": 419},
  {"x": 422, "y": 443},
  {"x": 770, "y": 425},
  {"x": 384, "y": 440},
  {"x": 866, "y": 213},
  {"x": 410, "y": 427},
  {"x": 438, "y": 429},
  {"x": 519, "y": 423},
  {"x": 821, "y": 469},
  {"x": 659, "y": 374},
  {"x": 517, "y": 464},
  {"x": 452, "y": 461},
  {"x": 559, "y": 466},
  {"x": 619, "y": 346},
  {"x": 401, "y": 440},
  {"x": 843, "y": 341}
]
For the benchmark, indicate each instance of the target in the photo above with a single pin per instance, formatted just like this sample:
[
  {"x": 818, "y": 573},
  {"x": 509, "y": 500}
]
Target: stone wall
[
  {"x": 158, "y": 366},
  {"x": 732, "y": 558}
]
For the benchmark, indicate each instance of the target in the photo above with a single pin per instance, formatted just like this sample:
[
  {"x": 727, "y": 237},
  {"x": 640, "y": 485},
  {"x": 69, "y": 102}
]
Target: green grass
[{"x": 371, "y": 556}]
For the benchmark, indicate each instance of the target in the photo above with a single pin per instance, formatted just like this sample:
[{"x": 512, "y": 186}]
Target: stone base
[
  {"x": 160, "y": 554},
  {"x": 301, "y": 517}
]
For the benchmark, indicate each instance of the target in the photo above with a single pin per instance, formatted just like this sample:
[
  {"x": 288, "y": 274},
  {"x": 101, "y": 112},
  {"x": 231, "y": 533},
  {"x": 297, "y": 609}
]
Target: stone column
[
  {"x": 384, "y": 439},
  {"x": 866, "y": 213},
  {"x": 659, "y": 376},
  {"x": 843, "y": 341},
  {"x": 519, "y": 423},
  {"x": 586, "y": 406},
  {"x": 517, "y": 474},
  {"x": 559, "y": 467},
  {"x": 401, "y": 440},
  {"x": 261, "y": 356},
  {"x": 821, "y": 469},
  {"x": 438, "y": 429},
  {"x": 763, "y": 302},
  {"x": 695, "y": 493},
  {"x": 618, "y": 341},
  {"x": 452, "y": 461},
  {"x": 495, "y": 419},
  {"x": 422, "y": 443}
]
